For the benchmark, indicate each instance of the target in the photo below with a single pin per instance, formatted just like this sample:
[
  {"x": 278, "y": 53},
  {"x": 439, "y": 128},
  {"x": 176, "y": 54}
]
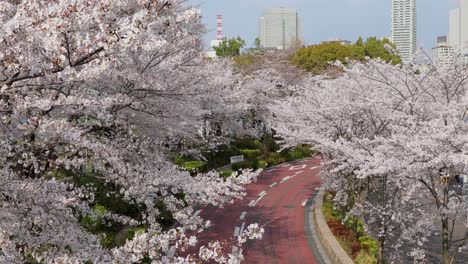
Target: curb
[
  {"x": 330, "y": 246},
  {"x": 311, "y": 232}
]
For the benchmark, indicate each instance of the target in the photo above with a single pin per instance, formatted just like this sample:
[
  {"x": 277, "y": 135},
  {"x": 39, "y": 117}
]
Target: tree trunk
[
  {"x": 445, "y": 241},
  {"x": 355, "y": 228},
  {"x": 381, "y": 256}
]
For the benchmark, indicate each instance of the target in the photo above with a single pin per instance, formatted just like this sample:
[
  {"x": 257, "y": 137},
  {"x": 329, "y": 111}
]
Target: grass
[{"x": 194, "y": 165}]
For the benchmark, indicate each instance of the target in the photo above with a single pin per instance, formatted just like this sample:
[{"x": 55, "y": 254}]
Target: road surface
[{"x": 276, "y": 201}]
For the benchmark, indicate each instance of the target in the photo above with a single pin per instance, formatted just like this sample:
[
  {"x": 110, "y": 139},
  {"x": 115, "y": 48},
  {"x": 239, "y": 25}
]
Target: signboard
[{"x": 235, "y": 159}]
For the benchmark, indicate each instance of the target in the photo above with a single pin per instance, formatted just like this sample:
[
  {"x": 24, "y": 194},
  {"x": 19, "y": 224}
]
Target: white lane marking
[
  {"x": 273, "y": 184},
  {"x": 242, "y": 228},
  {"x": 234, "y": 249},
  {"x": 299, "y": 172},
  {"x": 285, "y": 179},
  {"x": 315, "y": 167},
  {"x": 242, "y": 216},
  {"x": 196, "y": 213},
  {"x": 298, "y": 167},
  {"x": 236, "y": 231},
  {"x": 262, "y": 193},
  {"x": 258, "y": 200},
  {"x": 251, "y": 203}
]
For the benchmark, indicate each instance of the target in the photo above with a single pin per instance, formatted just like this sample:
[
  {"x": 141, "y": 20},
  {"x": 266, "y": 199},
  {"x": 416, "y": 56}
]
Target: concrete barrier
[{"x": 329, "y": 244}]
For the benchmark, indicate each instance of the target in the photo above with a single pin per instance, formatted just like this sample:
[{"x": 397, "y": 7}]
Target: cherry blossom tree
[
  {"x": 103, "y": 90},
  {"x": 396, "y": 135}
]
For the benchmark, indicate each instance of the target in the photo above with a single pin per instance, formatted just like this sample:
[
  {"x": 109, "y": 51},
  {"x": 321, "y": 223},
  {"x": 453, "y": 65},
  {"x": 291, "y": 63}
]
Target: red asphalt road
[{"x": 284, "y": 189}]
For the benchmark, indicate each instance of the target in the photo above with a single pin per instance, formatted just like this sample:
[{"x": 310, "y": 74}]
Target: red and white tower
[
  {"x": 219, "y": 28},
  {"x": 219, "y": 37}
]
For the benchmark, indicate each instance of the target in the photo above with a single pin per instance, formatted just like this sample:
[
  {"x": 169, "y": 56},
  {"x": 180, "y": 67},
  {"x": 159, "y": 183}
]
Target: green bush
[
  {"x": 109, "y": 240},
  {"x": 268, "y": 143},
  {"x": 94, "y": 224},
  {"x": 300, "y": 152},
  {"x": 329, "y": 212},
  {"x": 107, "y": 195},
  {"x": 131, "y": 233},
  {"x": 246, "y": 143},
  {"x": 365, "y": 258},
  {"x": 251, "y": 153},
  {"x": 274, "y": 158},
  {"x": 261, "y": 164},
  {"x": 221, "y": 156},
  {"x": 370, "y": 244},
  {"x": 360, "y": 226}
]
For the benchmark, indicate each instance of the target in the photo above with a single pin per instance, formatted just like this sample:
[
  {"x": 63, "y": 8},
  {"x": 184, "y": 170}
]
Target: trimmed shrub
[
  {"x": 274, "y": 158},
  {"x": 339, "y": 229},
  {"x": 328, "y": 210},
  {"x": 370, "y": 244},
  {"x": 365, "y": 258},
  {"x": 251, "y": 154},
  {"x": 261, "y": 164},
  {"x": 246, "y": 143},
  {"x": 299, "y": 152},
  {"x": 355, "y": 247},
  {"x": 360, "y": 226}
]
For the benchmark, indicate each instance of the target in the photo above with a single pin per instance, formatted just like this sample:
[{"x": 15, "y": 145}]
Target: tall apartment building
[
  {"x": 281, "y": 28},
  {"x": 458, "y": 32},
  {"x": 404, "y": 28}
]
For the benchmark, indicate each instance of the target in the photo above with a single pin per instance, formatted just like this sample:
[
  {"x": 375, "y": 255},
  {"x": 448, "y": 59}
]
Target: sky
[{"x": 326, "y": 19}]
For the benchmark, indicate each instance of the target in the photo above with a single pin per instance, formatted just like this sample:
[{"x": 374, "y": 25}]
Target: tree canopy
[
  {"x": 317, "y": 58},
  {"x": 94, "y": 95},
  {"x": 229, "y": 47}
]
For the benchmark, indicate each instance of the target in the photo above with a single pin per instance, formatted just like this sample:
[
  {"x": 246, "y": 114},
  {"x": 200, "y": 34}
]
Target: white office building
[
  {"x": 458, "y": 32},
  {"x": 404, "y": 28},
  {"x": 443, "y": 54},
  {"x": 281, "y": 28}
]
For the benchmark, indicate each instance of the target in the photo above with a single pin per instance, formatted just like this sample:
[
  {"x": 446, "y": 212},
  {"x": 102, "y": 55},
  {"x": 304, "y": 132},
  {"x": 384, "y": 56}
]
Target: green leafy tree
[
  {"x": 258, "y": 43},
  {"x": 317, "y": 58},
  {"x": 230, "y": 47},
  {"x": 359, "y": 50},
  {"x": 375, "y": 48}
]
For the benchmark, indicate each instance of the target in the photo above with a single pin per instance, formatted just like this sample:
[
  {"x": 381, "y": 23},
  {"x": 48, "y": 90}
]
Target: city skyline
[{"x": 323, "y": 21}]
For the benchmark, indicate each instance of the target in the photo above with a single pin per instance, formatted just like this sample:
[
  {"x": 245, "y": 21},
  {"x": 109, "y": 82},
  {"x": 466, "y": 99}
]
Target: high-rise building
[
  {"x": 404, "y": 28},
  {"x": 458, "y": 33},
  {"x": 443, "y": 54},
  {"x": 281, "y": 28}
]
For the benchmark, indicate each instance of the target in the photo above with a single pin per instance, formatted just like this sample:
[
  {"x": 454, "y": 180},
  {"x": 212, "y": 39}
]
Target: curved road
[{"x": 276, "y": 201}]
